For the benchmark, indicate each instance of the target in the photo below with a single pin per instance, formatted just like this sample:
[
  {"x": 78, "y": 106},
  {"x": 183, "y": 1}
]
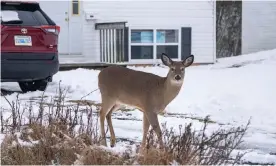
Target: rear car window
[{"x": 22, "y": 14}]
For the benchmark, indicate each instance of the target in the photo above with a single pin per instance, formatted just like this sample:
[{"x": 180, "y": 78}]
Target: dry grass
[
  {"x": 51, "y": 143},
  {"x": 98, "y": 156},
  {"x": 62, "y": 134}
]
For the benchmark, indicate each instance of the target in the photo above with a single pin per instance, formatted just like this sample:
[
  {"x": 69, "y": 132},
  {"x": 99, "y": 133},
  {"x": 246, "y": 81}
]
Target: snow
[
  {"x": 259, "y": 157},
  {"x": 9, "y": 16},
  {"x": 25, "y": 143},
  {"x": 231, "y": 91},
  {"x": 2, "y": 136}
]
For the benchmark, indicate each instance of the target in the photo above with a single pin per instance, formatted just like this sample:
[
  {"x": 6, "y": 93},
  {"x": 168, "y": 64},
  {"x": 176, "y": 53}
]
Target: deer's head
[{"x": 177, "y": 68}]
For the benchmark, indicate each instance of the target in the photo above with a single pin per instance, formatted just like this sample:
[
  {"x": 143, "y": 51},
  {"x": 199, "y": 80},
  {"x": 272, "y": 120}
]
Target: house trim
[{"x": 110, "y": 25}]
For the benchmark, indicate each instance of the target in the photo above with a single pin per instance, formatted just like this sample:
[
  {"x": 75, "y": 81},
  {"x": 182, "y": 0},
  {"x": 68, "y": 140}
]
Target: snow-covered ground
[{"x": 232, "y": 91}]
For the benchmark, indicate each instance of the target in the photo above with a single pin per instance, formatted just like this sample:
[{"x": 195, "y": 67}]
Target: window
[
  {"x": 147, "y": 43},
  {"x": 142, "y": 36},
  {"x": 142, "y": 44},
  {"x": 167, "y": 42},
  {"x": 142, "y": 52},
  {"x": 171, "y": 51},
  {"x": 75, "y": 7},
  {"x": 167, "y": 36}
]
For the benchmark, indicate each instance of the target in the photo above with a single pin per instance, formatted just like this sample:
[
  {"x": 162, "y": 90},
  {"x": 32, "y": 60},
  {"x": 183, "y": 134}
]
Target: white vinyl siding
[
  {"x": 258, "y": 26},
  {"x": 152, "y": 14}
]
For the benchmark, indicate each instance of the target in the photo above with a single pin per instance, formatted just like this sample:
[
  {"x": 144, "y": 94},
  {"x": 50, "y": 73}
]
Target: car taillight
[{"x": 54, "y": 29}]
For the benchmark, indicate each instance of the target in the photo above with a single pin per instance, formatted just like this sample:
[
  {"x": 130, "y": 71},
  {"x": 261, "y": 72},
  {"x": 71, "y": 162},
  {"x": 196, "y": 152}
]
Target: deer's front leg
[{"x": 153, "y": 120}]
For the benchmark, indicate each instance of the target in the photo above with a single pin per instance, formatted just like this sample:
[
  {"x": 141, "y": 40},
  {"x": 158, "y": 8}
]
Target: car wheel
[{"x": 40, "y": 85}]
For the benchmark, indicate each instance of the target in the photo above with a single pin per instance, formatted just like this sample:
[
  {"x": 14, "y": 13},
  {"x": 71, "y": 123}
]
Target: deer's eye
[
  {"x": 182, "y": 68},
  {"x": 172, "y": 69}
]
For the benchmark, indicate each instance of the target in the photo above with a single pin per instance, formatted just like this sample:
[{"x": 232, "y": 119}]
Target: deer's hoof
[{"x": 112, "y": 142}]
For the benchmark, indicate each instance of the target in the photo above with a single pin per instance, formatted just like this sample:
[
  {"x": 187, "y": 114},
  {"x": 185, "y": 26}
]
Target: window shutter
[
  {"x": 186, "y": 42},
  {"x": 126, "y": 42}
]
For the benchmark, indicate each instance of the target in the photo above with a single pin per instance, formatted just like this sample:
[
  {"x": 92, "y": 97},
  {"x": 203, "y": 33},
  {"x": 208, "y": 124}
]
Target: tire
[{"x": 32, "y": 86}]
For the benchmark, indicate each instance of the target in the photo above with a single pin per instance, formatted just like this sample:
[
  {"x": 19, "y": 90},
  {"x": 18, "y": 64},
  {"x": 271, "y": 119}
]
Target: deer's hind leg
[
  {"x": 146, "y": 125},
  {"x": 110, "y": 126},
  {"x": 107, "y": 105}
]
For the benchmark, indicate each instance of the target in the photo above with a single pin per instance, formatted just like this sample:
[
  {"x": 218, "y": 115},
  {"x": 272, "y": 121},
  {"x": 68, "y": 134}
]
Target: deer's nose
[{"x": 177, "y": 77}]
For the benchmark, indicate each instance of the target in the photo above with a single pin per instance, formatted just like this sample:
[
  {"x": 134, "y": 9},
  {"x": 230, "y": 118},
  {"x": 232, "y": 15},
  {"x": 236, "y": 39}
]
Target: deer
[{"x": 149, "y": 93}]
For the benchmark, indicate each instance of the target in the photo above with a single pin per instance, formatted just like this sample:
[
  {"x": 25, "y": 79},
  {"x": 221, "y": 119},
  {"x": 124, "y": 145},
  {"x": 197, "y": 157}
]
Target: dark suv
[{"x": 29, "y": 45}]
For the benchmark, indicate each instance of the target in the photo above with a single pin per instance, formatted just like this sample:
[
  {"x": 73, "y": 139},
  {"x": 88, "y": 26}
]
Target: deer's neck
[{"x": 171, "y": 90}]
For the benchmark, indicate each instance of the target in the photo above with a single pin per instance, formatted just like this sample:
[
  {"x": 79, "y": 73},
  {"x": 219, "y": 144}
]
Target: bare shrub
[
  {"x": 190, "y": 147},
  {"x": 13, "y": 123},
  {"x": 59, "y": 133},
  {"x": 50, "y": 144}
]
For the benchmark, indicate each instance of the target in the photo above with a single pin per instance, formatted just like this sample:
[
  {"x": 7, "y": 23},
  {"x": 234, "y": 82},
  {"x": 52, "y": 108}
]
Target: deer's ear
[
  {"x": 166, "y": 60},
  {"x": 188, "y": 61}
]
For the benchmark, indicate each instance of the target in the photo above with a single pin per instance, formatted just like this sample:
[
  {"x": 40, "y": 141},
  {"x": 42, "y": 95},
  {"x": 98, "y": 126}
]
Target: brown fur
[{"x": 145, "y": 91}]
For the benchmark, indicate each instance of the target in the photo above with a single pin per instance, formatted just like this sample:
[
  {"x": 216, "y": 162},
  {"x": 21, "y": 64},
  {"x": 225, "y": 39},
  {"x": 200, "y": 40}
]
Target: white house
[
  {"x": 132, "y": 31},
  {"x": 258, "y": 26},
  {"x": 137, "y": 31}
]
